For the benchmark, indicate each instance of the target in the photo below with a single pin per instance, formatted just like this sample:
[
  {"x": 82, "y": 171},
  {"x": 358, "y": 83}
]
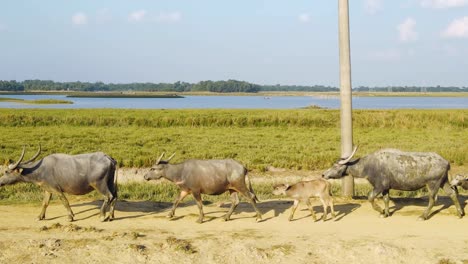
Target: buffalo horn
[
  {"x": 160, "y": 157},
  {"x": 343, "y": 162},
  {"x": 13, "y": 166},
  {"x": 170, "y": 157},
  {"x": 34, "y": 157}
]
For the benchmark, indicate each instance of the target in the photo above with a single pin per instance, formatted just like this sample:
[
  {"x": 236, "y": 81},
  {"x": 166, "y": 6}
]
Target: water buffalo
[
  {"x": 212, "y": 177},
  {"x": 394, "y": 169},
  {"x": 61, "y": 173},
  {"x": 303, "y": 191},
  {"x": 460, "y": 180}
]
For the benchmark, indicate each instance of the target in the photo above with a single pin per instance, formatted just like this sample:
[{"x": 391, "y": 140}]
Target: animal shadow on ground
[
  {"x": 284, "y": 206},
  {"x": 400, "y": 203},
  {"x": 277, "y": 206},
  {"x": 341, "y": 210},
  {"x": 142, "y": 207}
]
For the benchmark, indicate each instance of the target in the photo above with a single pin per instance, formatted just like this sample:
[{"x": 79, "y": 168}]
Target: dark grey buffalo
[
  {"x": 212, "y": 177},
  {"x": 61, "y": 173},
  {"x": 394, "y": 169}
]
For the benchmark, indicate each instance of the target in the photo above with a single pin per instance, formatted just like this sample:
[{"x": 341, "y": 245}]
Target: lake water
[{"x": 244, "y": 102}]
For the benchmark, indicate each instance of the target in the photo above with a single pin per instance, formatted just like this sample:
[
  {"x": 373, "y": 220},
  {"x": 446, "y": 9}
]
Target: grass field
[
  {"x": 39, "y": 101},
  {"x": 304, "y": 139}
]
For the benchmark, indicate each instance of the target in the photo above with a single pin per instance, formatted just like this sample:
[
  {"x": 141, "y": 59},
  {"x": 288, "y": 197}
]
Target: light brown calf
[
  {"x": 460, "y": 180},
  {"x": 303, "y": 191}
]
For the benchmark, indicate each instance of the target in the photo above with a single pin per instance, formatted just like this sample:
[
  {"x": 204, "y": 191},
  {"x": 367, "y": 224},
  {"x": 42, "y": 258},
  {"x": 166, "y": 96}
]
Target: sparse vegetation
[{"x": 181, "y": 245}]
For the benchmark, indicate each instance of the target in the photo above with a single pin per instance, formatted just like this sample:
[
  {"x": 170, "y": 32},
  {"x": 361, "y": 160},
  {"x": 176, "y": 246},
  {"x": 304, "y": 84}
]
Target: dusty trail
[{"x": 142, "y": 234}]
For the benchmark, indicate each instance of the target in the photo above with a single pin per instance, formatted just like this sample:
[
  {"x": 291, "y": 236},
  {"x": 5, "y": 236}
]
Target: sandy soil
[{"x": 142, "y": 234}]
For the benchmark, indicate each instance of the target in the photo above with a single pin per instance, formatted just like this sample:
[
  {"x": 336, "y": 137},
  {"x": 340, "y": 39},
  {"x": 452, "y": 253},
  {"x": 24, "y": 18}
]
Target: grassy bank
[
  {"x": 295, "y": 139},
  {"x": 38, "y": 101}
]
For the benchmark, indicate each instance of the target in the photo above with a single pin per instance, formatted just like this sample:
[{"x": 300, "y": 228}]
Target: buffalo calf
[
  {"x": 303, "y": 191},
  {"x": 460, "y": 180}
]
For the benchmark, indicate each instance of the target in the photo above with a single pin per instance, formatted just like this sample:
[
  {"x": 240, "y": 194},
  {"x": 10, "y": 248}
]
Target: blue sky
[{"x": 406, "y": 42}]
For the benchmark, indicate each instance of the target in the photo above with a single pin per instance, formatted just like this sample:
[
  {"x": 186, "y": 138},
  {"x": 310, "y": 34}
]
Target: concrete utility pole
[{"x": 345, "y": 92}]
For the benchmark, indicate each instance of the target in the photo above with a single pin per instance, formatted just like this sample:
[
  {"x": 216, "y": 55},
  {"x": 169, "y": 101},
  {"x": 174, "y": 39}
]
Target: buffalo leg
[
  {"x": 432, "y": 195},
  {"x": 198, "y": 199},
  {"x": 309, "y": 205},
  {"x": 249, "y": 198},
  {"x": 234, "y": 203},
  {"x": 453, "y": 195},
  {"x": 110, "y": 197},
  {"x": 67, "y": 206},
  {"x": 293, "y": 209},
  {"x": 104, "y": 207},
  {"x": 112, "y": 207},
  {"x": 45, "y": 203},
  {"x": 182, "y": 195},
  {"x": 386, "y": 198},
  {"x": 372, "y": 196}
]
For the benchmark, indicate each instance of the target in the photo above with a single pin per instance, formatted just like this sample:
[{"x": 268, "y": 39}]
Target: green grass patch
[
  {"x": 38, "y": 101},
  {"x": 294, "y": 139}
]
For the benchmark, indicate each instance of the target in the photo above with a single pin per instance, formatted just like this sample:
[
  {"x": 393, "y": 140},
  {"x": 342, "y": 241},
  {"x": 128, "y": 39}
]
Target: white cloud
[
  {"x": 169, "y": 17},
  {"x": 406, "y": 30},
  {"x": 458, "y": 28},
  {"x": 137, "y": 16},
  {"x": 304, "y": 18},
  {"x": 443, "y": 3},
  {"x": 373, "y": 6},
  {"x": 79, "y": 19}
]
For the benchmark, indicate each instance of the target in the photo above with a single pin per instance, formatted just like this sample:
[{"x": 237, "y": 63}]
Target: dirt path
[{"x": 142, "y": 234}]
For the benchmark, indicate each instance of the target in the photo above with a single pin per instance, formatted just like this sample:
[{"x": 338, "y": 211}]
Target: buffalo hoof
[
  {"x": 70, "y": 218},
  {"x": 383, "y": 215},
  {"x": 170, "y": 215},
  {"x": 200, "y": 221},
  {"x": 258, "y": 220},
  {"x": 225, "y": 219},
  {"x": 40, "y": 218},
  {"x": 422, "y": 218}
]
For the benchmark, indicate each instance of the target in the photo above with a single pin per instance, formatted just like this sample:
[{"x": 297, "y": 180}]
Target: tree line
[
  {"x": 209, "y": 86},
  {"x": 229, "y": 86}
]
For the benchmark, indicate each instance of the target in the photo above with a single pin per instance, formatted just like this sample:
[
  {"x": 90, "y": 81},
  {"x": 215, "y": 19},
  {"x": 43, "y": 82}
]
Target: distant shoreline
[
  {"x": 263, "y": 93},
  {"x": 40, "y": 101}
]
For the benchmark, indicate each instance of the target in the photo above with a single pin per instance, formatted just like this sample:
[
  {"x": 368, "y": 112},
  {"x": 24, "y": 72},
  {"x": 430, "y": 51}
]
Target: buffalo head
[
  {"x": 158, "y": 169},
  {"x": 338, "y": 169},
  {"x": 13, "y": 172}
]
